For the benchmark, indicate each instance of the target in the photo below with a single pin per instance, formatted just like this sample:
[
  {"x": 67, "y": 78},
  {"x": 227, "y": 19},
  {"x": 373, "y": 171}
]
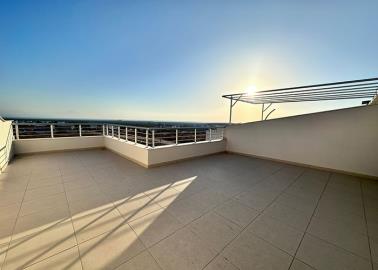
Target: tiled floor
[{"x": 96, "y": 210}]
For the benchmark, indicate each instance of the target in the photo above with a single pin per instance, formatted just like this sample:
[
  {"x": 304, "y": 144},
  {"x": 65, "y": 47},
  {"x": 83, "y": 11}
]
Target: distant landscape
[{"x": 156, "y": 124}]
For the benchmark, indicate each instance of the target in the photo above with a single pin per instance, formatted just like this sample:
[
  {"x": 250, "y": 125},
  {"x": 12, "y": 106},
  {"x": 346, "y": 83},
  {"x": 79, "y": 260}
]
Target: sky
[{"x": 172, "y": 60}]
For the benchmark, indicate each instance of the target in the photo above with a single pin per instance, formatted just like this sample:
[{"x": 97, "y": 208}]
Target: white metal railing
[{"x": 145, "y": 136}]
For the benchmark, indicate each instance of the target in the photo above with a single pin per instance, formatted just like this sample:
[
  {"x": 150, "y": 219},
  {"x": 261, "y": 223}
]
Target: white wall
[
  {"x": 6, "y": 137},
  {"x": 344, "y": 140},
  {"x": 167, "y": 154},
  {"x": 136, "y": 153},
  {"x": 57, "y": 144}
]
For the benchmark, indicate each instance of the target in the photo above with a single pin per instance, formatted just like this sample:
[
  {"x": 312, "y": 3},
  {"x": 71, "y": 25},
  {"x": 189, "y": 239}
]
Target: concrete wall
[
  {"x": 57, "y": 144},
  {"x": 343, "y": 140},
  {"x": 6, "y": 137},
  {"x": 150, "y": 157},
  {"x": 136, "y": 153},
  {"x": 158, "y": 156}
]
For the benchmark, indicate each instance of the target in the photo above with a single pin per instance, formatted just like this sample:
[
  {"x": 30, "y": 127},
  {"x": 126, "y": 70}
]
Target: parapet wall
[{"x": 343, "y": 140}]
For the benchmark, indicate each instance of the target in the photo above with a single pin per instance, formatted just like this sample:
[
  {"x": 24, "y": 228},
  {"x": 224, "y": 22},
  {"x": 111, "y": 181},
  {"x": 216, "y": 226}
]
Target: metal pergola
[{"x": 365, "y": 88}]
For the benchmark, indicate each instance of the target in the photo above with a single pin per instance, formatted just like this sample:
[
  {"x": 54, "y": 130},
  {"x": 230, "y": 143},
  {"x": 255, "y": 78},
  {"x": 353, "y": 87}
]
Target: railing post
[
  {"x": 52, "y": 130},
  {"x": 153, "y": 138},
  {"x": 146, "y": 137},
  {"x": 17, "y": 132},
  {"x": 195, "y": 135},
  {"x": 119, "y": 132},
  {"x": 107, "y": 130},
  {"x": 210, "y": 135},
  {"x": 103, "y": 130},
  {"x": 176, "y": 136},
  {"x": 80, "y": 130},
  {"x": 126, "y": 135},
  {"x": 135, "y": 139}
]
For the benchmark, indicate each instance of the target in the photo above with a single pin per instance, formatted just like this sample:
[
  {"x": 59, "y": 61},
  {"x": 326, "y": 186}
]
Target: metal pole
[
  {"x": 210, "y": 135},
  {"x": 176, "y": 136},
  {"x": 79, "y": 130},
  {"x": 107, "y": 130},
  {"x": 195, "y": 135},
  {"x": 153, "y": 138},
  {"x": 262, "y": 112},
  {"x": 230, "y": 111},
  {"x": 119, "y": 132},
  {"x": 136, "y": 136},
  {"x": 126, "y": 135},
  {"x": 17, "y": 132},
  {"x": 103, "y": 130},
  {"x": 52, "y": 131},
  {"x": 146, "y": 137},
  {"x": 112, "y": 131}
]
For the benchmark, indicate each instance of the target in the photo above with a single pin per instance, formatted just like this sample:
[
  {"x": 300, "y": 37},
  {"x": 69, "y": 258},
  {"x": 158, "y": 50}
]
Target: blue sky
[{"x": 172, "y": 60}]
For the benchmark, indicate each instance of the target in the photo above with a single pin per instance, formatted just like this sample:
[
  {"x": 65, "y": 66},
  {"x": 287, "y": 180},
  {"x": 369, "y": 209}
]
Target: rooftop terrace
[{"x": 96, "y": 210}]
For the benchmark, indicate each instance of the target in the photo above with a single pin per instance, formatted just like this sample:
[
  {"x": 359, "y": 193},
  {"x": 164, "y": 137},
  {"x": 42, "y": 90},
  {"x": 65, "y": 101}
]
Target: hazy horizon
[{"x": 172, "y": 60}]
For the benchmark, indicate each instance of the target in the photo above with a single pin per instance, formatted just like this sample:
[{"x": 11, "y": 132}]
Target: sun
[{"x": 251, "y": 89}]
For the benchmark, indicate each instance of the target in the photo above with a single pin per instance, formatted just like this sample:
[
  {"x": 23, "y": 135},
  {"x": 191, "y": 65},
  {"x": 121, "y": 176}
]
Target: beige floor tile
[
  {"x": 374, "y": 249},
  {"x": 40, "y": 221},
  {"x": 3, "y": 252},
  {"x": 251, "y": 252},
  {"x": 6, "y": 229},
  {"x": 351, "y": 221},
  {"x": 220, "y": 263},
  {"x": 54, "y": 201},
  {"x": 111, "y": 249},
  {"x": 34, "y": 248},
  {"x": 277, "y": 233},
  {"x": 325, "y": 256},
  {"x": 237, "y": 212},
  {"x": 215, "y": 230},
  {"x": 95, "y": 221},
  {"x": 298, "y": 265},
  {"x": 136, "y": 206},
  {"x": 81, "y": 183},
  {"x": 7, "y": 199},
  {"x": 10, "y": 186},
  {"x": 9, "y": 212},
  {"x": 186, "y": 210},
  {"x": 163, "y": 196},
  {"x": 155, "y": 226},
  {"x": 256, "y": 200},
  {"x": 44, "y": 172},
  {"x": 82, "y": 175},
  {"x": 86, "y": 193},
  {"x": 340, "y": 236},
  {"x": 143, "y": 261},
  {"x": 297, "y": 203},
  {"x": 45, "y": 191},
  {"x": 37, "y": 183},
  {"x": 289, "y": 216},
  {"x": 68, "y": 260},
  {"x": 187, "y": 252},
  {"x": 210, "y": 198}
]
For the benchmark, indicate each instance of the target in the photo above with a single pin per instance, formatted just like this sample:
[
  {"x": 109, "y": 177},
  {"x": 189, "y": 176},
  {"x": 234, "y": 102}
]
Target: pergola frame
[{"x": 365, "y": 88}]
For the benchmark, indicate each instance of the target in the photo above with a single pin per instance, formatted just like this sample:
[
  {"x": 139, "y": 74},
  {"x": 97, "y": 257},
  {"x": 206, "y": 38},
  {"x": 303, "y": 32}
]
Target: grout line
[
  {"x": 73, "y": 228},
  {"x": 15, "y": 222},
  {"x": 260, "y": 212},
  {"x": 313, "y": 214},
  {"x": 207, "y": 211},
  {"x": 366, "y": 224}
]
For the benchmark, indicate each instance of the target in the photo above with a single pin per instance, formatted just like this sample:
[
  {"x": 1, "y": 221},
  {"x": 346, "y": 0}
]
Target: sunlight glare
[{"x": 251, "y": 90}]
